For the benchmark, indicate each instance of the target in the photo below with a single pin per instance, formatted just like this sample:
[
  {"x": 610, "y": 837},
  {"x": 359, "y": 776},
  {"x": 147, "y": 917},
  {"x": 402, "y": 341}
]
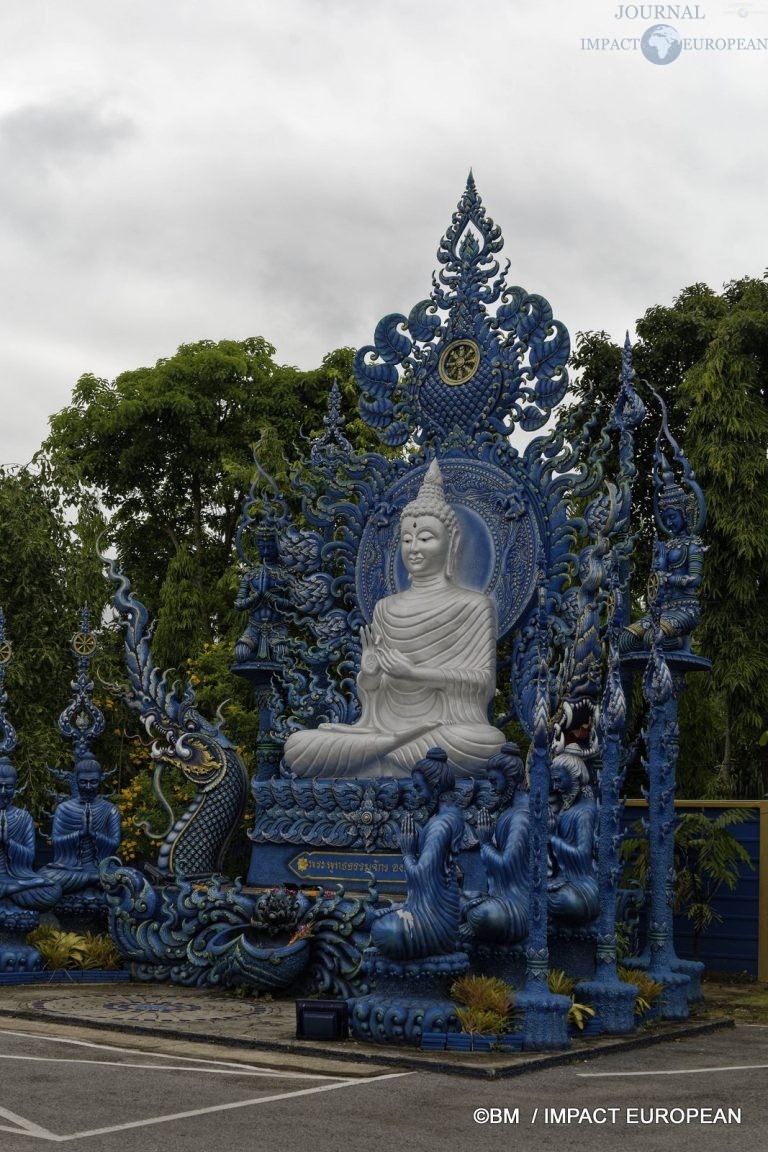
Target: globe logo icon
[{"x": 661, "y": 44}]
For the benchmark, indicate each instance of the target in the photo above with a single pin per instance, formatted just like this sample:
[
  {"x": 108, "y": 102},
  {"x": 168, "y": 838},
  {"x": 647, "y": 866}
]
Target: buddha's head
[
  {"x": 7, "y": 782},
  {"x": 429, "y": 530},
  {"x": 88, "y": 776}
]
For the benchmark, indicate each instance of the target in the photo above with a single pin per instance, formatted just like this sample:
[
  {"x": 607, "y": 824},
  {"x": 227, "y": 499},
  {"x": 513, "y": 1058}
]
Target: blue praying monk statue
[
  {"x": 572, "y": 891},
  {"x": 86, "y": 830},
  {"x": 20, "y": 885}
]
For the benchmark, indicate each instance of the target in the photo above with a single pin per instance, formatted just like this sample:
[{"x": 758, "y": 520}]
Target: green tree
[
  {"x": 45, "y": 578},
  {"x": 180, "y": 633},
  {"x": 707, "y": 356},
  {"x": 724, "y": 395},
  {"x": 707, "y": 857},
  {"x": 168, "y": 453}
]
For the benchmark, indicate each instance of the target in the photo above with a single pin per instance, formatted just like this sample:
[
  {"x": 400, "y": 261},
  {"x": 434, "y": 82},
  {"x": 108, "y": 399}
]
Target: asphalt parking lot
[{"x": 98, "y": 1094}]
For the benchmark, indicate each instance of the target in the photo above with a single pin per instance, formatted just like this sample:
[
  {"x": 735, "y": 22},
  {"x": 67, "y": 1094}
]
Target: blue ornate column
[
  {"x": 613, "y": 999},
  {"x": 545, "y": 1016},
  {"x": 660, "y": 645},
  {"x": 661, "y": 739},
  {"x": 259, "y": 650}
]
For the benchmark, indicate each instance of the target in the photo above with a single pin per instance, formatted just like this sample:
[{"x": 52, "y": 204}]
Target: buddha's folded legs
[{"x": 351, "y": 753}]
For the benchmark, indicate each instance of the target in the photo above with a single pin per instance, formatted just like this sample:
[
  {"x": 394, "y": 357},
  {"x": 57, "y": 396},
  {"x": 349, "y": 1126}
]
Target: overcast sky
[{"x": 173, "y": 170}]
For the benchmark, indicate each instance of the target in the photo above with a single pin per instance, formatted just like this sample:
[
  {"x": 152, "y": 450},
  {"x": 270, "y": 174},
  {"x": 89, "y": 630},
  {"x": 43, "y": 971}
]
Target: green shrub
[{"x": 61, "y": 949}]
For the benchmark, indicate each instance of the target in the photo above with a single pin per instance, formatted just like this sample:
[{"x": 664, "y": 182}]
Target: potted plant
[
  {"x": 487, "y": 1007},
  {"x": 74, "y": 956}
]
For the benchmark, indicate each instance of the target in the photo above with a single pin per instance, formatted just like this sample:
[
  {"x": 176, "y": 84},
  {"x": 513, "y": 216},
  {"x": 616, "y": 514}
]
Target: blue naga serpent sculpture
[
  {"x": 195, "y": 843},
  {"x": 210, "y": 936}
]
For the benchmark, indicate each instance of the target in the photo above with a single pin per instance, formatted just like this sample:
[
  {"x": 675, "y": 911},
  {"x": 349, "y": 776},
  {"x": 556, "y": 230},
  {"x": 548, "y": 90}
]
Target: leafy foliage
[
  {"x": 62, "y": 949},
  {"x": 485, "y": 993},
  {"x": 707, "y": 356},
  {"x": 648, "y": 989},
  {"x": 488, "y": 1005},
  {"x": 560, "y": 983},
  {"x": 482, "y": 1021},
  {"x": 707, "y": 857},
  {"x": 45, "y": 575},
  {"x": 168, "y": 450},
  {"x": 725, "y": 396}
]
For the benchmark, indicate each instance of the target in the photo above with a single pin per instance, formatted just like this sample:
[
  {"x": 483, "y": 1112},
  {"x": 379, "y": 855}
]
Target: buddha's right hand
[{"x": 369, "y": 662}]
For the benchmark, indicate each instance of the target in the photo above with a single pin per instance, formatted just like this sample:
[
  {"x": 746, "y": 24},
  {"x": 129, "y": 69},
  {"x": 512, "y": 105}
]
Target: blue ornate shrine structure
[{"x": 507, "y": 868}]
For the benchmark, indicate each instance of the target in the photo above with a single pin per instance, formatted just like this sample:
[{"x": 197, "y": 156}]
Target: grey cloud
[
  {"x": 60, "y": 133},
  {"x": 287, "y": 170}
]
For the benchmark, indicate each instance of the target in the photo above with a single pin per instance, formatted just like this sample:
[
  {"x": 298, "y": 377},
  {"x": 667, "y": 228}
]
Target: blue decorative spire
[
  {"x": 333, "y": 441},
  {"x": 82, "y": 721},
  {"x": 629, "y": 410},
  {"x": 454, "y": 371},
  {"x": 7, "y": 730}
]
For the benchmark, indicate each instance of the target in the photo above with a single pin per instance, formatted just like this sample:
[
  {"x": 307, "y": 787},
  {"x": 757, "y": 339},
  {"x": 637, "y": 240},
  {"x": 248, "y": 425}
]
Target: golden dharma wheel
[
  {"x": 459, "y": 362},
  {"x": 83, "y": 644}
]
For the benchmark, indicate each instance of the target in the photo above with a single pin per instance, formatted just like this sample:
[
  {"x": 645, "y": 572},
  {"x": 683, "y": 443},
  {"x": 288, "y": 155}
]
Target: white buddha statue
[{"x": 428, "y": 668}]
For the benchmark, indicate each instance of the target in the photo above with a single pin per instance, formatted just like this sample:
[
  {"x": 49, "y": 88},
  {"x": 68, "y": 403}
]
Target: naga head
[{"x": 200, "y": 757}]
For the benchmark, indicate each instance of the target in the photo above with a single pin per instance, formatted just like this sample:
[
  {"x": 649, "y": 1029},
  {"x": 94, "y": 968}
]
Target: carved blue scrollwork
[
  {"x": 217, "y": 936},
  {"x": 453, "y": 367}
]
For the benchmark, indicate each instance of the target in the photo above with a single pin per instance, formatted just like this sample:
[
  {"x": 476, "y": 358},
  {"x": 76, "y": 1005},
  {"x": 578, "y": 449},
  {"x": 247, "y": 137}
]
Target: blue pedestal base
[
  {"x": 678, "y": 991},
  {"x": 15, "y": 954},
  {"x": 545, "y": 1020},
  {"x": 614, "y": 1003},
  {"x": 399, "y": 1018},
  {"x": 410, "y": 997}
]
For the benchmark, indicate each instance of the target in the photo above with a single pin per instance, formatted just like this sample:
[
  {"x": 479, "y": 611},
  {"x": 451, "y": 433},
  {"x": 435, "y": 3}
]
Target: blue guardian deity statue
[
  {"x": 676, "y": 570},
  {"x": 428, "y": 667}
]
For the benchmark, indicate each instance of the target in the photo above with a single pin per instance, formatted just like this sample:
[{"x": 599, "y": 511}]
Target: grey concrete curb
[{"x": 462, "y": 1064}]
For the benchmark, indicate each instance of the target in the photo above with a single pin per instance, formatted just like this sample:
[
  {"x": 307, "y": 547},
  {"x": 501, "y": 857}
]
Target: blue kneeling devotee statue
[
  {"x": 572, "y": 890},
  {"x": 86, "y": 830},
  {"x": 501, "y": 917},
  {"x": 20, "y": 885},
  {"x": 427, "y": 923}
]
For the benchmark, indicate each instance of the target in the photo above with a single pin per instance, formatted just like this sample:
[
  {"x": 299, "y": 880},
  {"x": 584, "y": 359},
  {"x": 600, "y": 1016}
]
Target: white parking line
[
  {"x": 243, "y": 1071},
  {"x": 675, "y": 1071},
  {"x": 28, "y": 1128},
  {"x": 165, "y": 1055},
  {"x": 24, "y": 1127}
]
